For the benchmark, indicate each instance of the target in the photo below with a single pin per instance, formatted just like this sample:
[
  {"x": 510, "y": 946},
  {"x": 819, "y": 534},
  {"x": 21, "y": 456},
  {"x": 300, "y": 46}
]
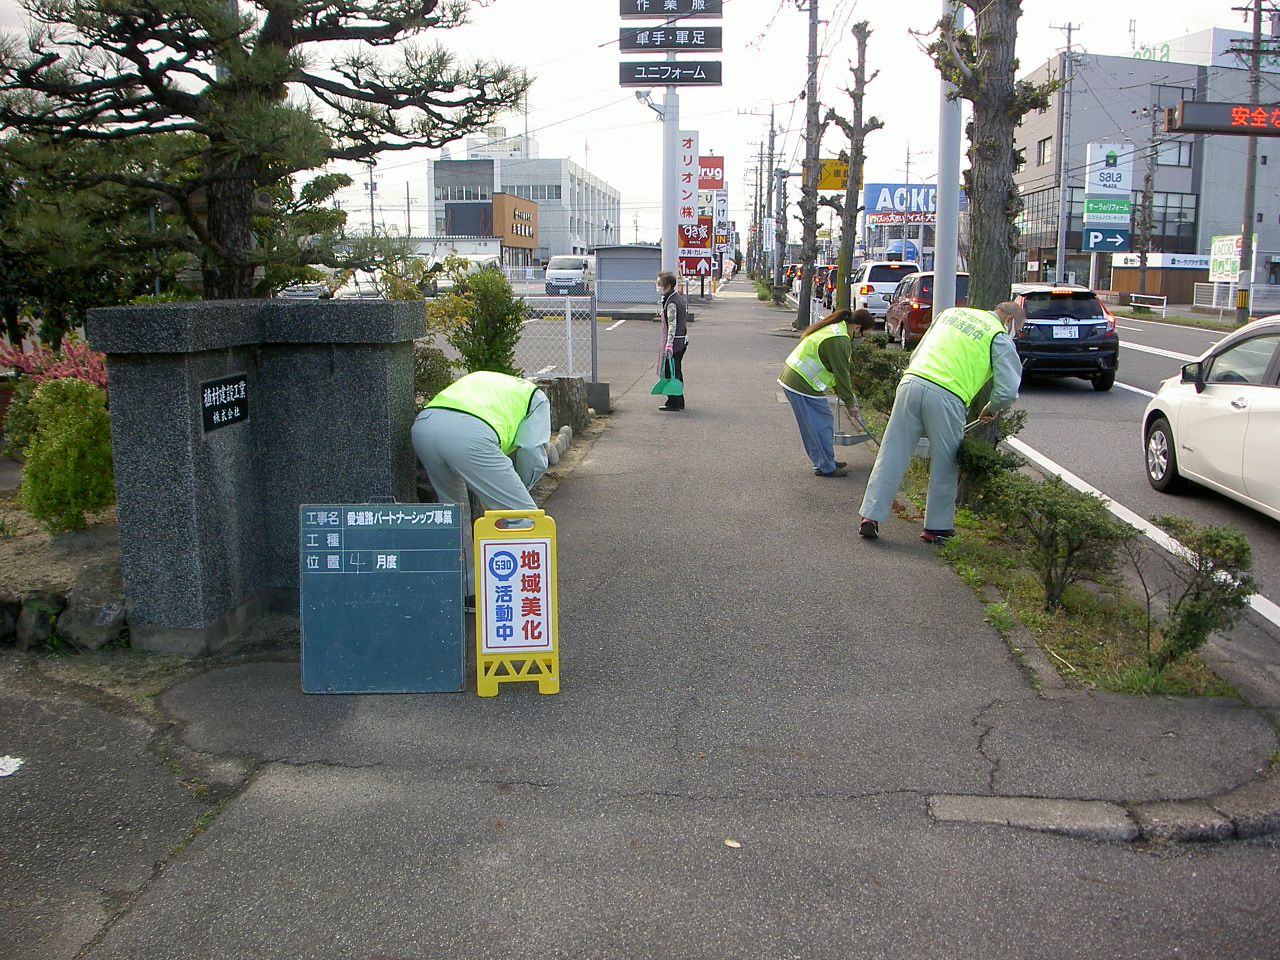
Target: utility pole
[
  {"x": 809, "y": 178},
  {"x": 946, "y": 230},
  {"x": 1250, "y": 176},
  {"x": 1146, "y": 206},
  {"x": 1064, "y": 153},
  {"x": 768, "y": 205},
  {"x": 373, "y": 190}
]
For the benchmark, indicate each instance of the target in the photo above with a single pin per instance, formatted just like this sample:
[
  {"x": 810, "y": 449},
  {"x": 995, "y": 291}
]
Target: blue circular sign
[{"x": 503, "y": 564}]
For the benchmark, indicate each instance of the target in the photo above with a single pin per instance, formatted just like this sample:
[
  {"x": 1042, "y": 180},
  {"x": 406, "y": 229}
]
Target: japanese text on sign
[
  {"x": 224, "y": 401},
  {"x": 515, "y": 579}
]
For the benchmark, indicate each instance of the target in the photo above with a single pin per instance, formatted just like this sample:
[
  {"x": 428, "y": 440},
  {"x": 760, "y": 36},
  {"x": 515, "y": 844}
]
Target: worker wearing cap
[
  {"x": 962, "y": 349},
  {"x": 466, "y": 435}
]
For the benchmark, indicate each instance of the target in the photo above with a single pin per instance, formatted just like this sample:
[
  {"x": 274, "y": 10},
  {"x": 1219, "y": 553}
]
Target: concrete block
[
  {"x": 1182, "y": 821},
  {"x": 1088, "y": 819},
  {"x": 95, "y": 612},
  {"x": 1253, "y": 808}
]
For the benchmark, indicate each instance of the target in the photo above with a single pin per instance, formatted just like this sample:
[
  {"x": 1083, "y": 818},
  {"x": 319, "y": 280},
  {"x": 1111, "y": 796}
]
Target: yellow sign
[
  {"x": 516, "y": 617},
  {"x": 834, "y": 175}
]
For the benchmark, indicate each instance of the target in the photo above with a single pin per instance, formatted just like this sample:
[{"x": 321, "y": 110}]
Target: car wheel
[
  {"x": 1162, "y": 461},
  {"x": 1104, "y": 381}
]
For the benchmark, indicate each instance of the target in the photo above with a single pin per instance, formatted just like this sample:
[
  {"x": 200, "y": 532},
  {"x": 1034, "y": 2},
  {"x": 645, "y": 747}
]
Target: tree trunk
[
  {"x": 993, "y": 197},
  {"x": 857, "y": 158},
  {"x": 226, "y": 270}
]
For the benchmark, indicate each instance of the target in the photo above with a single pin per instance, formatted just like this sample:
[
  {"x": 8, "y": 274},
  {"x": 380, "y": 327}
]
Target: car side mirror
[{"x": 1192, "y": 373}]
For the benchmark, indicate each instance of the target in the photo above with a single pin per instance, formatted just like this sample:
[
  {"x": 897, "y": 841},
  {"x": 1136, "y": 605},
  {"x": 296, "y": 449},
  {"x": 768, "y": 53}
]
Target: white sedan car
[{"x": 1219, "y": 422}]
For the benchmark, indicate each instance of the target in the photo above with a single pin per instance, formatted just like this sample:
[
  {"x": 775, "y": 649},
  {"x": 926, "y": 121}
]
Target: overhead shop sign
[
  {"x": 696, "y": 39},
  {"x": 670, "y": 73},
  {"x": 1233, "y": 118},
  {"x": 670, "y": 9}
]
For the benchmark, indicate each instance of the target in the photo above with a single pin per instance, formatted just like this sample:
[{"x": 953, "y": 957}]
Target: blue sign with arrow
[{"x": 1104, "y": 238}]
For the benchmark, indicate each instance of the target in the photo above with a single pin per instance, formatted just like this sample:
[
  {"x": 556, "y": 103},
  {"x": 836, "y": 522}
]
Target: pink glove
[{"x": 667, "y": 350}]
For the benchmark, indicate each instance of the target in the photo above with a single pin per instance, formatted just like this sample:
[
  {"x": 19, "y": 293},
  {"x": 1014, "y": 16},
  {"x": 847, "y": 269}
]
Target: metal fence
[
  {"x": 1264, "y": 299},
  {"x": 559, "y": 338}
]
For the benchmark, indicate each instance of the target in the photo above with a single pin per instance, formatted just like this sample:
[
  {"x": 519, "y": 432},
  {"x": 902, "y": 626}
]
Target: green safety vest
[
  {"x": 805, "y": 361},
  {"x": 956, "y": 351},
  {"x": 499, "y": 400}
]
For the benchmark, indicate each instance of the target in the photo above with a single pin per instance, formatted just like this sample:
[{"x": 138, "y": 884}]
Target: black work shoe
[
  {"x": 840, "y": 465},
  {"x": 937, "y": 536},
  {"x": 869, "y": 529},
  {"x": 837, "y": 472},
  {"x": 672, "y": 409}
]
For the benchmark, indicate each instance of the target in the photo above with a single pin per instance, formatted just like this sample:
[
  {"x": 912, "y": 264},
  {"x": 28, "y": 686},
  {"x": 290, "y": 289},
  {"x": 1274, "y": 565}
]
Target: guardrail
[{"x": 1152, "y": 301}]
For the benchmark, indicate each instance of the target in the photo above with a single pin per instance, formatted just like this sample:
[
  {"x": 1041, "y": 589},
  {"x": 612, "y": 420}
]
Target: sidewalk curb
[{"x": 1249, "y": 811}]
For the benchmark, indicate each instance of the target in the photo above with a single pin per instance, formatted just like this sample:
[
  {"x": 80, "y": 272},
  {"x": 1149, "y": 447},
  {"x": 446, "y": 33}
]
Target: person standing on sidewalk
[
  {"x": 465, "y": 437},
  {"x": 818, "y": 363},
  {"x": 962, "y": 349},
  {"x": 675, "y": 320}
]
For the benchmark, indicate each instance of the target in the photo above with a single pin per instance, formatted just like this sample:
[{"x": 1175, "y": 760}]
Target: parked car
[
  {"x": 438, "y": 281},
  {"x": 570, "y": 276},
  {"x": 1068, "y": 333},
  {"x": 911, "y": 306},
  {"x": 822, "y": 274},
  {"x": 360, "y": 285},
  {"x": 875, "y": 281},
  {"x": 1218, "y": 424}
]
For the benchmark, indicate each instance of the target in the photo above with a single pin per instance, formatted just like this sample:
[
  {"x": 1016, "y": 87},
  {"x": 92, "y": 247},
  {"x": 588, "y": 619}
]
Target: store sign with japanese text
[
  {"x": 670, "y": 9},
  {"x": 670, "y": 73},
  {"x": 674, "y": 38},
  {"x": 687, "y": 163}
]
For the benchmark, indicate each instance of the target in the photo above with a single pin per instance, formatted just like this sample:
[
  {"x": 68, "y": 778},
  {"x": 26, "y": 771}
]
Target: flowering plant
[{"x": 42, "y": 363}]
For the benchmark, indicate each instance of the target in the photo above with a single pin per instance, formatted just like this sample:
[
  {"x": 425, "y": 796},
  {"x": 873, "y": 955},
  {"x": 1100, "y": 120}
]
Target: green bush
[
  {"x": 1069, "y": 535},
  {"x": 874, "y": 372},
  {"x": 68, "y": 466},
  {"x": 432, "y": 372},
  {"x": 492, "y": 319},
  {"x": 1210, "y": 591},
  {"x": 19, "y": 419}
]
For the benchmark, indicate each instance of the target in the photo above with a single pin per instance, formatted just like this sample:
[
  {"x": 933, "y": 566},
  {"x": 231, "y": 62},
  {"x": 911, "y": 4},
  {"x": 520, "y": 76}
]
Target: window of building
[
  {"x": 1044, "y": 151},
  {"x": 1173, "y": 153},
  {"x": 1165, "y": 96},
  {"x": 456, "y": 192}
]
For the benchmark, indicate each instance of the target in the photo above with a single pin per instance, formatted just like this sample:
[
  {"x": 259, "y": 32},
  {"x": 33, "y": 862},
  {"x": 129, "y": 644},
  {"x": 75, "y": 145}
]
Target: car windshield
[
  {"x": 889, "y": 272},
  {"x": 566, "y": 263},
  {"x": 962, "y": 286},
  {"x": 1082, "y": 305}
]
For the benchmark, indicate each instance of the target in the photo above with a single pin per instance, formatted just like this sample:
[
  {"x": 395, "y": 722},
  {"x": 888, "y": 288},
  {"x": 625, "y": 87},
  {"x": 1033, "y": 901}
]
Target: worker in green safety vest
[
  {"x": 487, "y": 431},
  {"x": 962, "y": 349},
  {"x": 820, "y": 362}
]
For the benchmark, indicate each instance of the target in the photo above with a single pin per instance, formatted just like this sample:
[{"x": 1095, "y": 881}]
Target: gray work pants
[
  {"x": 921, "y": 408},
  {"x": 461, "y": 451}
]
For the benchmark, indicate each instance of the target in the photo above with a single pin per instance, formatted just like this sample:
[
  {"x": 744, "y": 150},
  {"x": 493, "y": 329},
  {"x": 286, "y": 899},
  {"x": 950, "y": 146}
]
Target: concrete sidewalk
[{"x": 772, "y": 739}]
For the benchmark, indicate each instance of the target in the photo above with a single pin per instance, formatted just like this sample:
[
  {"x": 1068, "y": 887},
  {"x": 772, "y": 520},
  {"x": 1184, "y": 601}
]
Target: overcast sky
[{"x": 577, "y": 109}]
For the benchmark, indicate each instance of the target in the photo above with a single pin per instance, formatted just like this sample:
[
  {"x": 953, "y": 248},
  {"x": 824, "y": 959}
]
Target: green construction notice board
[{"x": 381, "y": 597}]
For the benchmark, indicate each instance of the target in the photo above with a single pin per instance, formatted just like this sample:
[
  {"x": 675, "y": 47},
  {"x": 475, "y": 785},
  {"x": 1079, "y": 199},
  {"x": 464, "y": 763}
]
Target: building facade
[
  {"x": 576, "y": 211},
  {"x": 1196, "y": 180}
]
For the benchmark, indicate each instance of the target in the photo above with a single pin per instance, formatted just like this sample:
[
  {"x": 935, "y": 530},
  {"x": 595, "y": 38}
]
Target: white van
[
  {"x": 571, "y": 276},
  {"x": 874, "y": 282}
]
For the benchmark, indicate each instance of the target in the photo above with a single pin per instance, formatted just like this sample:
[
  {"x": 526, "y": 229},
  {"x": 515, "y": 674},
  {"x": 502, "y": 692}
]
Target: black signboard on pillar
[
  {"x": 677, "y": 38},
  {"x": 670, "y": 73},
  {"x": 670, "y": 9}
]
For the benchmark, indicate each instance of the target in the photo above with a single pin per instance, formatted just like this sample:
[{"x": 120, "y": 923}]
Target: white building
[
  {"x": 1198, "y": 179},
  {"x": 577, "y": 211}
]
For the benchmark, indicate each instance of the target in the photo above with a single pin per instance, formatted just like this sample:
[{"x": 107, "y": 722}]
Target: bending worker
[
  {"x": 464, "y": 438},
  {"x": 821, "y": 361},
  {"x": 962, "y": 349}
]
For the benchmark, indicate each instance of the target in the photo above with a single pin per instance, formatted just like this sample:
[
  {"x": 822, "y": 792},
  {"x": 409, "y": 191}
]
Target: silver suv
[{"x": 874, "y": 282}]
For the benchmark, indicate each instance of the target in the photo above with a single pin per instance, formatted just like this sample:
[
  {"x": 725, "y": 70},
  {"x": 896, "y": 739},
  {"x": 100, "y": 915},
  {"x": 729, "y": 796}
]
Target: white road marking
[
  {"x": 617, "y": 324},
  {"x": 1259, "y": 603},
  {"x": 1141, "y": 348},
  {"x": 1125, "y": 386}
]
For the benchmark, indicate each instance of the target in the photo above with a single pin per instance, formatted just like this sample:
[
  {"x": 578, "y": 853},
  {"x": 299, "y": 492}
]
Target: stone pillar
[{"x": 225, "y": 416}]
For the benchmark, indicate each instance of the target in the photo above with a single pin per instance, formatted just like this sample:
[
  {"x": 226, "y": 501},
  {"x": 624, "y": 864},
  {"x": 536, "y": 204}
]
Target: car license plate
[{"x": 1066, "y": 333}]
